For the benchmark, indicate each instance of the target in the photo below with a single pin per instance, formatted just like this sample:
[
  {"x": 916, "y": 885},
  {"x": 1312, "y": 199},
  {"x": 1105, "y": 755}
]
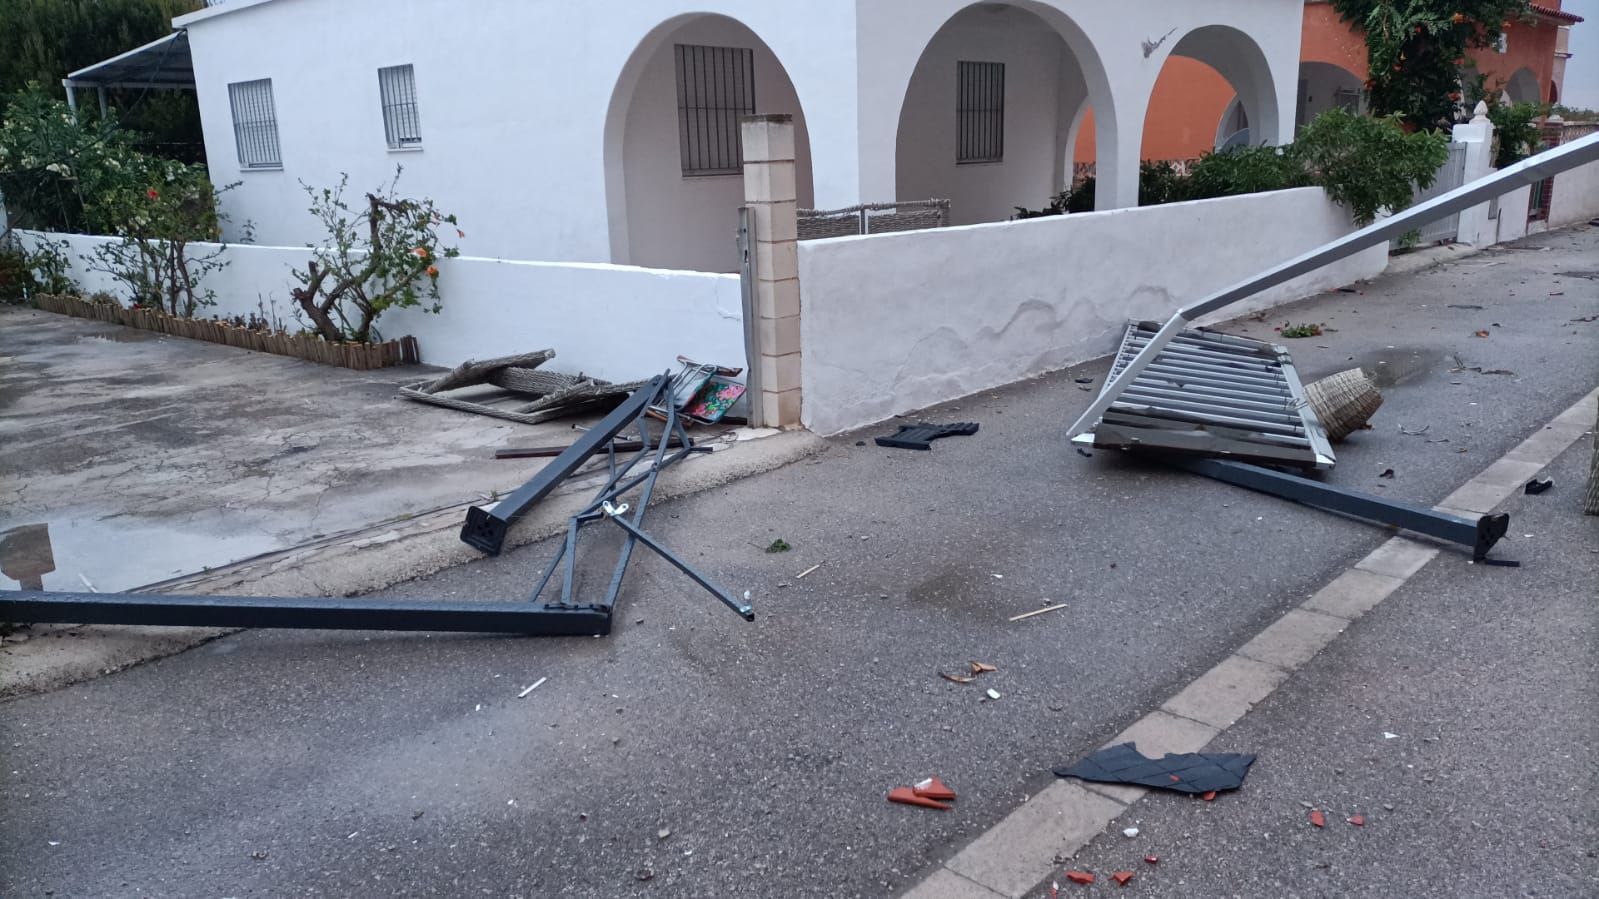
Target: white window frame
[
  {"x": 255, "y": 125},
  {"x": 402, "y": 120}
]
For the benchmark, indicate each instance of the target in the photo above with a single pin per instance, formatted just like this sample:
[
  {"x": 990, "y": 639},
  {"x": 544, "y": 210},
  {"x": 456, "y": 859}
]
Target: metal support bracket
[{"x": 1480, "y": 533}]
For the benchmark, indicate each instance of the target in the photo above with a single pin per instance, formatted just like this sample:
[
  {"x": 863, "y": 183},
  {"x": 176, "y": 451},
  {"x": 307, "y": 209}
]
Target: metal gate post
[{"x": 752, "y": 312}]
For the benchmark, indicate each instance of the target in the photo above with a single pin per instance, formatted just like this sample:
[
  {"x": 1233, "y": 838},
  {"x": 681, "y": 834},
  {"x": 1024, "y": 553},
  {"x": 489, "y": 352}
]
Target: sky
[{"x": 1582, "y": 70}]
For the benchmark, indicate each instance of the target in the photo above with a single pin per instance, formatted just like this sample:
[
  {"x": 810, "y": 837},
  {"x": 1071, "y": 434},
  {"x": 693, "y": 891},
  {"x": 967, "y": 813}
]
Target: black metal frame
[
  {"x": 1480, "y": 534},
  {"x": 484, "y": 529}
]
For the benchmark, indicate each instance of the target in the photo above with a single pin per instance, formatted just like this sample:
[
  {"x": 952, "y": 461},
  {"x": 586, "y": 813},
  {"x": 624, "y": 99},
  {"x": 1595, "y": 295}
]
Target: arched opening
[
  {"x": 993, "y": 108},
  {"x": 673, "y": 161},
  {"x": 1324, "y": 86},
  {"x": 1523, "y": 86},
  {"x": 1215, "y": 91}
]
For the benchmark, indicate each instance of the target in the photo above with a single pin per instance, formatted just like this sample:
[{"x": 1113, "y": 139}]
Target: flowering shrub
[{"x": 383, "y": 255}]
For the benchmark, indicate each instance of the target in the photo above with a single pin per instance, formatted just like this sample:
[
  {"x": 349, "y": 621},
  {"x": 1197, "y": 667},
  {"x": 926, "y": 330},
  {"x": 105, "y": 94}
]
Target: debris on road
[
  {"x": 1052, "y": 608},
  {"x": 1481, "y": 333},
  {"x": 1538, "y": 485},
  {"x": 1344, "y": 402},
  {"x": 1387, "y": 473},
  {"x": 1121, "y": 877},
  {"x": 535, "y": 686},
  {"x": 1152, "y": 859},
  {"x": 778, "y": 546},
  {"x": 1408, "y": 433},
  {"x": 1130, "y": 832},
  {"x": 957, "y": 678},
  {"x": 539, "y": 452},
  {"x": 993, "y": 693},
  {"x": 807, "y": 571},
  {"x": 933, "y": 788},
  {"x": 1082, "y": 877},
  {"x": 1187, "y": 772},
  {"x": 1317, "y": 818},
  {"x": 1358, "y": 820},
  {"x": 982, "y": 668},
  {"x": 920, "y": 436},
  {"x": 527, "y": 397},
  {"x": 908, "y": 796},
  {"x": 1209, "y": 796}
]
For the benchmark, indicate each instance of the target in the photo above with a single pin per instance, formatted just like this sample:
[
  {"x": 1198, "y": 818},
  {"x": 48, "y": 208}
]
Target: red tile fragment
[
  {"x": 1209, "y": 795},
  {"x": 1082, "y": 877},
  {"x": 1152, "y": 859},
  {"x": 933, "y": 788},
  {"x": 1358, "y": 820},
  {"x": 1121, "y": 877},
  {"x": 1174, "y": 778},
  {"x": 1317, "y": 818},
  {"x": 908, "y": 796}
]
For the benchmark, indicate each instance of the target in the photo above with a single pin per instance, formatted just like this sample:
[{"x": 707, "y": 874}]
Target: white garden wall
[
  {"x": 1576, "y": 196},
  {"x": 896, "y": 322},
  {"x": 609, "y": 321}
]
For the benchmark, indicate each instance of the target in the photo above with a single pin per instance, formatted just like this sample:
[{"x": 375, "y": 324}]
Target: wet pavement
[{"x": 132, "y": 457}]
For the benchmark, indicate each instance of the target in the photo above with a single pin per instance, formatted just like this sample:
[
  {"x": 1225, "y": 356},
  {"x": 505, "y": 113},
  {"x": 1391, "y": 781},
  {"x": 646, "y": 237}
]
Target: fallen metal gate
[
  {"x": 485, "y": 529},
  {"x": 1212, "y": 394}
]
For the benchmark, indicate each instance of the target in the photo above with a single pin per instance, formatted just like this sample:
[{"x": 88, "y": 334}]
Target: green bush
[
  {"x": 1515, "y": 130},
  {"x": 1245, "y": 170},
  {"x": 1368, "y": 164}
]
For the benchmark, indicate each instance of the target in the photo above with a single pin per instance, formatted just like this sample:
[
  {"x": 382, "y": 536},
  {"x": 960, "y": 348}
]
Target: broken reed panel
[{"x": 357, "y": 356}]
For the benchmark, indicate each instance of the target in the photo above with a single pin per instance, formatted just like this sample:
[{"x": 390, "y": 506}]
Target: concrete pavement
[{"x": 695, "y": 754}]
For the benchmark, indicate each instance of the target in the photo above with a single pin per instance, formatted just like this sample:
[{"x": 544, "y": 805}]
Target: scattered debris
[
  {"x": 1468, "y": 305},
  {"x": 1121, "y": 877},
  {"x": 1291, "y": 331},
  {"x": 1059, "y": 605},
  {"x": 982, "y": 668},
  {"x": 1387, "y": 473},
  {"x": 539, "y": 452},
  {"x": 552, "y": 395},
  {"x": 1317, "y": 818},
  {"x": 1085, "y": 380},
  {"x": 907, "y": 796},
  {"x": 920, "y": 436},
  {"x": 259, "y": 855},
  {"x": 807, "y": 571},
  {"x": 663, "y": 833},
  {"x": 1409, "y": 433},
  {"x": 933, "y": 788},
  {"x": 1187, "y": 772},
  {"x": 1130, "y": 832},
  {"x": 1538, "y": 485},
  {"x": 1481, "y": 333},
  {"x": 644, "y": 874},
  {"x": 1358, "y": 820},
  {"x": 1152, "y": 859},
  {"x": 1388, "y": 736},
  {"x": 993, "y": 693},
  {"x": 535, "y": 686},
  {"x": 779, "y": 546},
  {"x": 957, "y": 678},
  {"x": 1082, "y": 877},
  {"x": 1208, "y": 796}
]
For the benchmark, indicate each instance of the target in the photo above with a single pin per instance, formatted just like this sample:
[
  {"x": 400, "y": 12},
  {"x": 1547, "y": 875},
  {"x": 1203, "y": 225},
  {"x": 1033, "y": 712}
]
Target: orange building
[{"x": 1193, "y": 108}]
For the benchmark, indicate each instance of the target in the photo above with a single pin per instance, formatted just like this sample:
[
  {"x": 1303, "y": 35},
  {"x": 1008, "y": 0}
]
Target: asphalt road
[{"x": 694, "y": 754}]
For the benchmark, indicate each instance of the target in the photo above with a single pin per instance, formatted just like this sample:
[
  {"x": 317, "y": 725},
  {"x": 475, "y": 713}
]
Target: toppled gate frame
[
  {"x": 485, "y": 529},
  {"x": 1194, "y": 394}
]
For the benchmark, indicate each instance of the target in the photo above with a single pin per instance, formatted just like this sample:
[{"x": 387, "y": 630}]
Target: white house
[{"x": 606, "y": 131}]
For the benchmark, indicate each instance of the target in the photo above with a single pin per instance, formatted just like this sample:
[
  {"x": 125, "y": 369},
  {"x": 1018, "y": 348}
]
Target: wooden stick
[
  {"x": 1038, "y": 611},
  {"x": 807, "y": 571}
]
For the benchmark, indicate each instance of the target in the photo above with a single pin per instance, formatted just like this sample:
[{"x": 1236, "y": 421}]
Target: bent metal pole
[{"x": 1528, "y": 171}]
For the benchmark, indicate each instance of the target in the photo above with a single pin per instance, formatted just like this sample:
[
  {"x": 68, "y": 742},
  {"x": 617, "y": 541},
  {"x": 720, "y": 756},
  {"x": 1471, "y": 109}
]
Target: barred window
[
  {"x": 401, "y": 124},
  {"x": 980, "y": 112},
  {"x": 715, "y": 86},
  {"x": 255, "y": 124}
]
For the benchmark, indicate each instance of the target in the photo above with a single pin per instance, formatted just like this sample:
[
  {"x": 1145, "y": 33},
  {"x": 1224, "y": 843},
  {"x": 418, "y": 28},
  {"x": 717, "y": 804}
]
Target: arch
[
  {"x": 1523, "y": 86},
  {"x": 1045, "y": 70},
  {"x": 1239, "y": 59},
  {"x": 1323, "y": 86},
  {"x": 658, "y": 215}
]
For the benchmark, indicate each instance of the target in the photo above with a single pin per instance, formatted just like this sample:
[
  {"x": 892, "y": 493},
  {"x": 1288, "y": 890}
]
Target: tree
[
  {"x": 42, "y": 40},
  {"x": 1416, "y": 49}
]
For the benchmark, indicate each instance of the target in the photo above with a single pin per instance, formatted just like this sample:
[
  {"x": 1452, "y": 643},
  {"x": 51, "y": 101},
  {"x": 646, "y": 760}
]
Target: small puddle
[
  {"x": 120, "y": 335},
  {"x": 87, "y": 554}
]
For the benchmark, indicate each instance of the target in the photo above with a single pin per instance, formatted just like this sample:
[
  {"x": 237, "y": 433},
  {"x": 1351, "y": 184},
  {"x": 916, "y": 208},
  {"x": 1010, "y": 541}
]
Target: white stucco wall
[
  {"x": 897, "y": 322},
  {"x": 1036, "y": 63},
  {"x": 515, "y": 97},
  {"x": 609, "y": 321},
  {"x": 1576, "y": 196}
]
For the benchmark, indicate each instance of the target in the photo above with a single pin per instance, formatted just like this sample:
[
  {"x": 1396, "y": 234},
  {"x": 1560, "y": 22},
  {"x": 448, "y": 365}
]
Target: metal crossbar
[{"x": 1528, "y": 171}]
